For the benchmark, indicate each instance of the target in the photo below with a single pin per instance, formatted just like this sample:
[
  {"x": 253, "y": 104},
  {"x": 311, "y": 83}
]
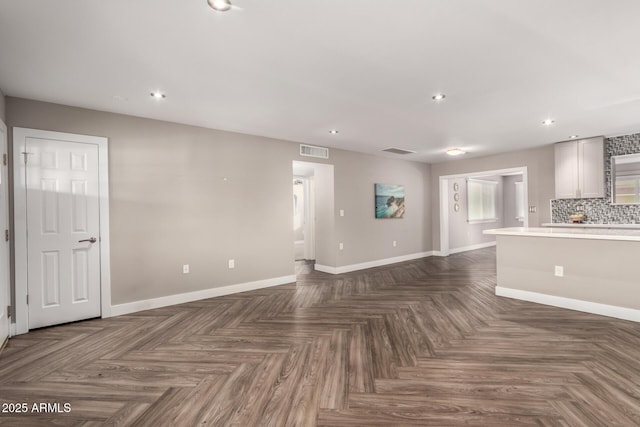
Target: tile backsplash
[{"x": 600, "y": 210}]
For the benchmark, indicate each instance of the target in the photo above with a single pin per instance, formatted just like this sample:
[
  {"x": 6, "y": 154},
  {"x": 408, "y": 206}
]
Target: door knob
[{"x": 91, "y": 240}]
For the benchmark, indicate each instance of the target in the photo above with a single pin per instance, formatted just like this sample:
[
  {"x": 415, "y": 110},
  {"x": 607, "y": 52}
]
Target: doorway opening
[
  {"x": 312, "y": 206},
  {"x": 304, "y": 212},
  {"x": 473, "y": 202}
]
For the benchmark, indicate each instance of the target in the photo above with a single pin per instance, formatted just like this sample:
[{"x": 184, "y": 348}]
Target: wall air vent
[
  {"x": 313, "y": 151},
  {"x": 395, "y": 150}
]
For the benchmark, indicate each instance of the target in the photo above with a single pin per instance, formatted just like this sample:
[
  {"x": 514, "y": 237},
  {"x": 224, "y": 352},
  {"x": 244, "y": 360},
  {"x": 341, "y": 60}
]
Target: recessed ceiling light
[
  {"x": 438, "y": 96},
  {"x": 220, "y": 5},
  {"x": 334, "y": 131},
  {"x": 158, "y": 95},
  {"x": 573, "y": 136},
  {"x": 455, "y": 152},
  {"x": 548, "y": 122}
]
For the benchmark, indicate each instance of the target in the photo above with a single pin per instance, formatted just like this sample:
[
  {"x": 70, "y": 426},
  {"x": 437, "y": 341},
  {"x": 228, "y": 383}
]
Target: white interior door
[
  {"x": 63, "y": 226},
  {"x": 4, "y": 239}
]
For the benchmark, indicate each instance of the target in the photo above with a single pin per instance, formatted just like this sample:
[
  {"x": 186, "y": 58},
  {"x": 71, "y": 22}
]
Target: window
[
  {"x": 519, "y": 201},
  {"x": 627, "y": 189},
  {"x": 481, "y": 200}
]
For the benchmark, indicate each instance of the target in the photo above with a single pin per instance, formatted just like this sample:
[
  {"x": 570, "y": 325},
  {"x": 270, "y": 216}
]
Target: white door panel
[
  {"x": 4, "y": 244},
  {"x": 62, "y": 210}
]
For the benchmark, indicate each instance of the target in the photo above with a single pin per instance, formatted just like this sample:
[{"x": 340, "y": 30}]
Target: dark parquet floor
[{"x": 424, "y": 342}]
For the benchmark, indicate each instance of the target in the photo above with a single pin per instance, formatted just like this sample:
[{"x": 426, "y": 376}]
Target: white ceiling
[{"x": 294, "y": 69}]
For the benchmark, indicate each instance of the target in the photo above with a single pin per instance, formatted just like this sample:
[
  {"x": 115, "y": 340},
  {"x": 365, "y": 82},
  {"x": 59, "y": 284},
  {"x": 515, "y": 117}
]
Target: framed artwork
[{"x": 389, "y": 200}]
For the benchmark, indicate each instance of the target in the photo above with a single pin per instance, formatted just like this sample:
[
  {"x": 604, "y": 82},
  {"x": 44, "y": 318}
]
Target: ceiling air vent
[
  {"x": 395, "y": 150},
  {"x": 312, "y": 151}
]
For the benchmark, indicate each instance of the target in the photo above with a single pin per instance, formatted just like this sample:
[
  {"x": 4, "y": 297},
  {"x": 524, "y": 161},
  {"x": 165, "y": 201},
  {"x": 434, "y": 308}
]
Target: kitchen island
[{"x": 586, "y": 269}]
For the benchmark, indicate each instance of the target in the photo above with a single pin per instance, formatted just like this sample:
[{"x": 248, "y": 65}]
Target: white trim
[
  {"x": 371, "y": 264},
  {"x": 148, "y": 304},
  {"x": 571, "y": 304},
  {"x": 472, "y": 247},
  {"x": 20, "y": 218},
  {"x": 105, "y": 241},
  {"x": 444, "y": 199},
  {"x": 5, "y": 262}
]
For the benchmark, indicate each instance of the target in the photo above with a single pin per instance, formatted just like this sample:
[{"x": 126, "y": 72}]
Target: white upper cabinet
[{"x": 580, "y": 168}]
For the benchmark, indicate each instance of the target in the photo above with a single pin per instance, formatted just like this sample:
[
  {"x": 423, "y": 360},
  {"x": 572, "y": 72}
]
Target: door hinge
[
  {"x": 8, "y": 312},
  {"x": 27, "y": 299},
  {"x": 4, "y": 159},
  {"x": 6, "y": 235}
]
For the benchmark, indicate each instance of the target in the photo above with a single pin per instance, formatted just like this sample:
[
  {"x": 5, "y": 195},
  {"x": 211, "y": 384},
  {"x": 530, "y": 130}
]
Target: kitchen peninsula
[{"x": 586, "y": 269}]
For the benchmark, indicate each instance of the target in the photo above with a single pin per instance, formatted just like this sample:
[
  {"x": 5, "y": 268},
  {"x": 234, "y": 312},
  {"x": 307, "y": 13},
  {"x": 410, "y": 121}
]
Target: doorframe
[
  {"x": 6, "y": 263},
  {"x": 444, "y": 199},
  {"x": 20, "y": 218}
]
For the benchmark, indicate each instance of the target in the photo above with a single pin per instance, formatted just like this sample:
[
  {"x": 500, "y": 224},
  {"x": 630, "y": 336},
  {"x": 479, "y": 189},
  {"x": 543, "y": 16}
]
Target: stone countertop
[
  {"x": 591, "y": 225},
  {"x": 569, "y": 233}
]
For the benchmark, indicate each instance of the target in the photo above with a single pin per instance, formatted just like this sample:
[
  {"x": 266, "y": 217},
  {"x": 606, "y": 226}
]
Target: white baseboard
[
  {"x": 471, "y": 247},
  {"x": 572, "y": 304},
  {"x": 148, "y": 304},
  {"x": 371, "y": 264}
]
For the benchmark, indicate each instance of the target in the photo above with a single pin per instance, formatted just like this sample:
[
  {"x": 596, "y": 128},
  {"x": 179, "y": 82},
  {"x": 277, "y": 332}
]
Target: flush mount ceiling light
[
  {"x": 220, "y": 5},
  {"x": 548, "y": 122},
  {"x": 334, "y": 131},
  {"x": 438, "y": 96},
  {"x": 158, "y": 95},
  {"x": 455, "y": 152}
]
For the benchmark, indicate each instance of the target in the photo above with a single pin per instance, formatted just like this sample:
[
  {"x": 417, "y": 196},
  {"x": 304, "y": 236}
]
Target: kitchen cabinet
[{"x": 580, "y": 168}]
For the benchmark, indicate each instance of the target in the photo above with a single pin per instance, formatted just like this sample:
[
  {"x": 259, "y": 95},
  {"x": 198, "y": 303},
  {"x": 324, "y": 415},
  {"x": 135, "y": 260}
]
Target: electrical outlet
[
  {"x": 185, "y": 269},
  {"x": 341, "y": 212},
  {"x": 232, "y": 263},
  {"x": 533, "y": 209},
  {"x": 580, "y": 208},
  {"x": 395, "y": 243},
  {"x": 341, "y": 246},
  {"x": 559, "y": 271}
]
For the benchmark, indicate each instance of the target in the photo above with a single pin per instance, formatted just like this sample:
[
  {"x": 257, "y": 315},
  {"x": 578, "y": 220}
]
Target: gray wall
[
  {"x": 355, "y": 177},
  {"x": 3, "y": 115},
  {"x": 600, "y": 210},
  {"x": 509, "y": 201},
  {"x": 600, "y": 271},
  {"x": 169, "y": 203},
  {"x": 540, "y": 168},
  {"x": 461, "y": 233}
]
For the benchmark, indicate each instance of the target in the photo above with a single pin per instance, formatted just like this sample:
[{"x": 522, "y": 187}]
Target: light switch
[
  {"x": 341, "y": 212},
  {"x": 232, "y": 263},
  {"x": 185, "y": 269},
  {"x": 559, "y": 271}
]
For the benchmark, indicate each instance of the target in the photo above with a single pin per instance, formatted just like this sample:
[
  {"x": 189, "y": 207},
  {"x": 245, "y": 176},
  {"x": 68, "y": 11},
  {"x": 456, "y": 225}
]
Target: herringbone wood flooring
[{"x": 424, "y": 342}]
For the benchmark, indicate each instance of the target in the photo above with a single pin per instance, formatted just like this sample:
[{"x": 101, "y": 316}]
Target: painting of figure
[{"x": 389, "y": 200}]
